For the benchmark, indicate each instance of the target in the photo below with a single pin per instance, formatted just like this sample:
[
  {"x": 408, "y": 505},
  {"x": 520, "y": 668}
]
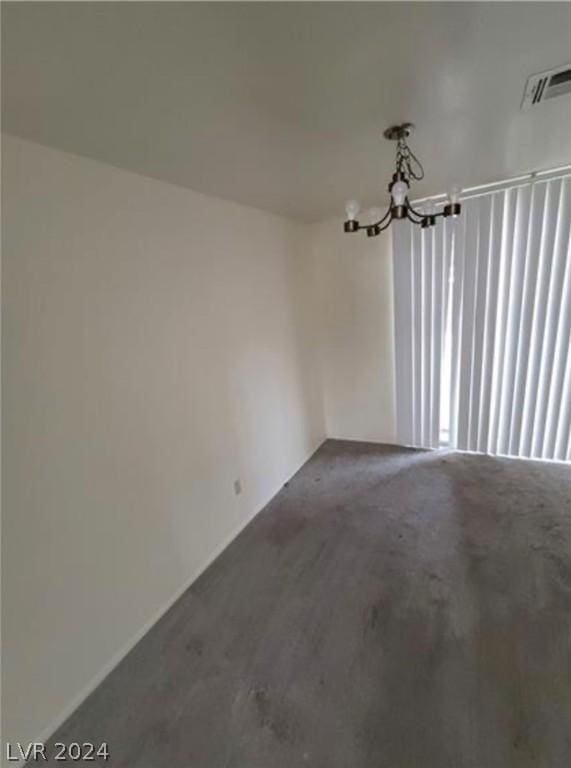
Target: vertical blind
[{"x": 483, "y": 324}]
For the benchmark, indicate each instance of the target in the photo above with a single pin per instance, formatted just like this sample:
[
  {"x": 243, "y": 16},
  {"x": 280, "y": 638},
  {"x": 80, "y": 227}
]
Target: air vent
[{"x": 547, "y": 85}]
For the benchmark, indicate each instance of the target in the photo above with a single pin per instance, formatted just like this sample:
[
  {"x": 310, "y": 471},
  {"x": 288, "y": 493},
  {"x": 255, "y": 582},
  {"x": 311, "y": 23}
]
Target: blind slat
[
  {"x": 552, "y": 297},
  {"x": 438, "y": 260},
  {"x": 530, "y": 251},
  {"x": 467, "y": 330},
  {"x": 484, "y": 216},
  {"x": 539, "y": 311},
  {"x": 551, "y": 443},
  {"x": 515, "y": 288},
  {"x": 505, "y": 255},
  {"x": 457, "y": 288},
  {"x": 491, "y": 317},
  {"x": 417, "y": 337},
  {"x": 403, "y": 335},
  {"x": 426, "y": 337}
]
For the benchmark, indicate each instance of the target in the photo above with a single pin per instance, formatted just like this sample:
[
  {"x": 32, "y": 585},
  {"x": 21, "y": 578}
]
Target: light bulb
[
  {"x": 351, "y": 209},
  {"x": 454, "y": 194},
  {"x": 375, "y": 215},
  {"x": 399, "y": 191}
]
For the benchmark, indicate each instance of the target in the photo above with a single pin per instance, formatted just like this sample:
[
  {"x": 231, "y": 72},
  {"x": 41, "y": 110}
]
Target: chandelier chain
[{"x": 407, "y": 158}]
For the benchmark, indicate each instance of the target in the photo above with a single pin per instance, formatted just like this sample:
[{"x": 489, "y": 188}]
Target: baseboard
[
  {"x": 388, "y": 442},
  {"x": 107, "y": 668}
]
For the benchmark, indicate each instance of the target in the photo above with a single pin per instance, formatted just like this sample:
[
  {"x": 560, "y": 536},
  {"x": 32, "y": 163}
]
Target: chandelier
[{"x": 408, "y": 169}]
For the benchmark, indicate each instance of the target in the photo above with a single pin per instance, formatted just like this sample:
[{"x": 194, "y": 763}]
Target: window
[{"x": 483, "y": 323}]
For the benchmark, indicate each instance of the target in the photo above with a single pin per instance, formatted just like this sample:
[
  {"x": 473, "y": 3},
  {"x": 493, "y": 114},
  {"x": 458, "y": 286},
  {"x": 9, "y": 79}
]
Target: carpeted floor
[{"x": 388, "y": 609}]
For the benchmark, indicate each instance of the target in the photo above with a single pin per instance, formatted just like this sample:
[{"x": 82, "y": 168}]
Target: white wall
[
  {"x": 157, "y": 344},
  {"x": 354, "y": 275}
]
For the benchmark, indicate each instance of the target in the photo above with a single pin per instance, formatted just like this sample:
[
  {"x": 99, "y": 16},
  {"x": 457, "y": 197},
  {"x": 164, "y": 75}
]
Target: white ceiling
[{"x": 282, "y": 105}]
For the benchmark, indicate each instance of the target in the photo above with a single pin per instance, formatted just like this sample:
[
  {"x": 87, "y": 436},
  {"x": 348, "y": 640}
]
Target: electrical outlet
[{"x": 237, "y": 487}]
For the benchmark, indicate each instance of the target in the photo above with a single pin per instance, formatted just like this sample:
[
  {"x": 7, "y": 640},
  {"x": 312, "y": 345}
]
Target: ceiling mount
[{"x": 396, "y": 132}]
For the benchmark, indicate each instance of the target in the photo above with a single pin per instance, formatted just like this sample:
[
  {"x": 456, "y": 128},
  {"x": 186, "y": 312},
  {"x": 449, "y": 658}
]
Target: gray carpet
[{"x": 388, "y": 609}]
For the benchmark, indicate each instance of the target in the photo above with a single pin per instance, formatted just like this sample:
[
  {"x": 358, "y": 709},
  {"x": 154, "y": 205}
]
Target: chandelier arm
[
  {"x": 413, "y": 210},
  {"x": 376, "y": 223},
  {"x": 389, "y": 222},
  {"x": 410, "y": 209},
  {"x": 388, "y": 217},
  {"x": 410, "y": 218},
  {"x": 385, "y": 217}
]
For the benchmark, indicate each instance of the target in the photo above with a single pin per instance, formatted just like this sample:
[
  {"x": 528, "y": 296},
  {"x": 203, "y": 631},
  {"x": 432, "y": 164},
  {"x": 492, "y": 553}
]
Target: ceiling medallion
[{"x": 408, "y": 169}]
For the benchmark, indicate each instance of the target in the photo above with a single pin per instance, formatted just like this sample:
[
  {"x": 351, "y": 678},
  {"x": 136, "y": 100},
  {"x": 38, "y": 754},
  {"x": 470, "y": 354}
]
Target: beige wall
[
  {"x": 157, "y": 345},
  {"x": 354, "y": 278}
]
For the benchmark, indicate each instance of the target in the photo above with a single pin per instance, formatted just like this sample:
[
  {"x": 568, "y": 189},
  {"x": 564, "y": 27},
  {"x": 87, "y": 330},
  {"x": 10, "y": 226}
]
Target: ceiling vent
[{"x": 547, "y": 85}]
